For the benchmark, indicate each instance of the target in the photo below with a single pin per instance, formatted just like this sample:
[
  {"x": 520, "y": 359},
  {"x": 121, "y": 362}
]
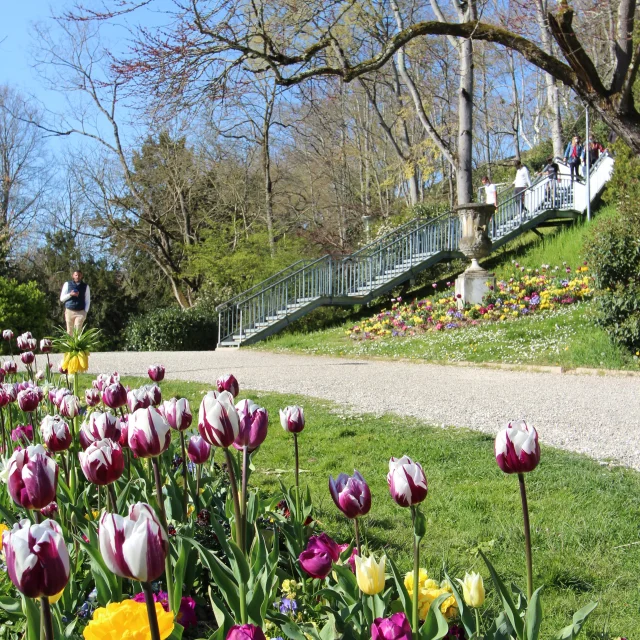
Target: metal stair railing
[{"x": 360, "y": 274}]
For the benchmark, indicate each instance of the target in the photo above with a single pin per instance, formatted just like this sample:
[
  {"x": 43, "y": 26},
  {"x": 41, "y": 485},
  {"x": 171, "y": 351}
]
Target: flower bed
[{"x": 528, "y": 291}]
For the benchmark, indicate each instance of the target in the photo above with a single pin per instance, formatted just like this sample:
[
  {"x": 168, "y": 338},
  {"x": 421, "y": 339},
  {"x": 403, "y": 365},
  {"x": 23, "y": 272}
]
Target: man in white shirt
[
  {"x": 76, "y": 298},
  {"x": 521, "y": 183},
  {"x": 491, "y": 191}
]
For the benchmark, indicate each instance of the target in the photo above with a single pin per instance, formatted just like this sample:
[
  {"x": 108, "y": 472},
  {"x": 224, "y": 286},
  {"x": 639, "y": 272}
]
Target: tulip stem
[
  {"x": 197, "y": 496},
  {"x": 163, "y": 519},
  {"x": 112, "y": 497},
  {"x": 185, "y": 487},
  {"x": 297, "y": 472},
  {"x": 47, "y": 621},
  {"x": 357, "y": 531},
  {"x": 4, "y": 435},
  {"x": 527, "y": 535},
  {"x": 151, "y": 610},
  {"x": 477, "y": 625},
  {"x": 242, "y": 587},
  {"x": 243, "y": 500},
  {"x": 416, "y": 579}
]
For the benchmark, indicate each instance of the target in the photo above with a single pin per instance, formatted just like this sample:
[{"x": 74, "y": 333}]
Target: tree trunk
[{"x": 464, "y": 175}]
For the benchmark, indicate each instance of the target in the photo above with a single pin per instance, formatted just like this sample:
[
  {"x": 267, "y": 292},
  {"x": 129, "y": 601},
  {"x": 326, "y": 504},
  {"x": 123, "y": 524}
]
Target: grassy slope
[
  {"x": 584, "y": 516},
  {"x": 567, "y": 337}
]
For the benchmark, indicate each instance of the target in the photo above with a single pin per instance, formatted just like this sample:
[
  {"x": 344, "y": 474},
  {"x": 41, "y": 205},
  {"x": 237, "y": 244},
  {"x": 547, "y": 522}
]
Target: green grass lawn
[{"x": 585, "y": 517}]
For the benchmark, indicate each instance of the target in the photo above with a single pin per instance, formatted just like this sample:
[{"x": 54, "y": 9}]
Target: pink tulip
[
  {"x": 114, "y": 395},
  {"x": 517, "y": 448},
  {"x": 319, "y": 556},
  {"x": 351, "y": 494},
  {"x": 198, "y": 449},
  {"x": 37, "y": 558},
  {"x": 228, "y": 383},
  {"x": 156, "y": 372},
  {"x": 396, "y": 627},
  {"x": 407, "y": 482},
  {"x": 252, "y": 426},
  {"x": 245, "y": 632},
  {"x": 102, "y": 462},
  {"x": 32, "y": 477}
]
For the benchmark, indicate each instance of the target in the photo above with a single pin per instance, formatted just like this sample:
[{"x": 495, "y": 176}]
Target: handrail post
[
  {"x": 219, "y": 326},
  {"x": 240, "y": 337},
  {"x": 330, "y": 275}
]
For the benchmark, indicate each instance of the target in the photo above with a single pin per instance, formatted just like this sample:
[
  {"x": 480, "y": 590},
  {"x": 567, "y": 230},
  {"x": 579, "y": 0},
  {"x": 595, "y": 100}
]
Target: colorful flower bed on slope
[{"x": 527, "y": 291}]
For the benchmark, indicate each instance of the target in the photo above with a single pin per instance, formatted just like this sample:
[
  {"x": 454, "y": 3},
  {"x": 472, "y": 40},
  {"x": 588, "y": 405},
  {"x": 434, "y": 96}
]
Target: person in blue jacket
[
  {"x": 572, "y": 155},
  {"x": 76, "y": 298}
]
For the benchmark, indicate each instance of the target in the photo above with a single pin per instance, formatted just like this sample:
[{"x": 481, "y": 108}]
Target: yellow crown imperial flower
[{"x": 127, "y": 619}]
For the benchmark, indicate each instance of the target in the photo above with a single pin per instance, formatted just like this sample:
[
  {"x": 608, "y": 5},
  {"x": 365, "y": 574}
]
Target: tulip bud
[
  {"x": 218, "y": 421},
  {"x": 252, "y": 425},
  {"x": 198, "y": 449},
  {"x": 32, "y": 477},
  {"x": 99, "y": 426},
  {"x": 154, "y": 395},
  {"x": 245, "y": 632},
  {"x": 156, "y": 372},
  {"x": 37, "y": 558},
  {"x": 178, "y": 413},
  {"x": 134, "y": 547},
  {"x": 39, "y": 375},
  {"x": 228, "y": 383},
  {"x": 102, "y": 462},
  {"x": 517, "y": 448},
  {"x": 319, "y": 556},
  {"x": 92, "y": 397},
  {"x": 55, "y": 433},
  {"x": 370, "y": 574},
  {"x": 69, "y": 406},
  {"x": 149, "y": 433},
  {"x": 396, "y": 627},
  {"x": 10, "y": 366},
  {"x": 292, "y": 419},
  {"x": 27, "y": 357},
  {"x": 23, "y": 433},
  {"x": 50, "y": 510},
  {"x": 351, "y": 494},
  {"x": 28, "y": 400},
  {"x": 473, "y": 589},
  {"x": 407, "y": 482},
  {"x": 137, "y": 399},
  {"x": 114, "y": 395},
  {"x": 7, "y": 335},
  {"x": 46, "y": 345}
]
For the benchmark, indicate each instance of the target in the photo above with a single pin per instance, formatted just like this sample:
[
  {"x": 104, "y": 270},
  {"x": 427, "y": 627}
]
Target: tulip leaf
[
  {"x": 435, "y": 626},
  {"x": 255, "y": 600},
  {"x": 579, "y": 618},
  {"x": 509, "y": 607},
  {"x": 7, "y": 516},
  {"x": 466, "y": 617},
  {"x": 292, "y": 631},
  {"x": 32, "y": 614},
  {"x": 402, "y": 590},
  {"x": 177, "y": 632},
  {"x": 347, "y": 582},
  {"x": 500, "y": 629},
  {"x": 222, "y": 615},
  {"x": 533, "y": 617},
  {"x": 179, "y": 570},
  {"x": 106, "y": 581},
  {"x": 220, "y": 535},
  {"x": 239, "y": 564}
]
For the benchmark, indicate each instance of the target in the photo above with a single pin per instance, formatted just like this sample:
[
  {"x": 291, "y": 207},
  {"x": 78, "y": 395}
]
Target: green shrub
[
  {"x": 613, "y": 251},
  {"x": 173, "y": 329},
  {"x": 22, "y": 308}
]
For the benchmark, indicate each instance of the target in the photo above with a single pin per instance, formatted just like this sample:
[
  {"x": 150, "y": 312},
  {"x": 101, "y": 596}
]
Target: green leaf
[
  {"x": 106, "y": 582},
  {"x": 466, "y": 617},
  {"x": 533, "y": 617},
  {"x": 177, "y": 632},
  {"x": 179, "y": 569},
  {"x": 509, "y": 607},
  {"x": 579, "y": 618},
  {"x": 222, "y": 615},
  {"x": 402, "y": 590},
  {"x": 32, "y": 613},
  {"x": 10, "y": 605},
  {"x": 419, "y": 524},
  {"x": 347, "y": 582},
  {"x": 435, "y": 626},
  {"x": 239, "y": 563}
]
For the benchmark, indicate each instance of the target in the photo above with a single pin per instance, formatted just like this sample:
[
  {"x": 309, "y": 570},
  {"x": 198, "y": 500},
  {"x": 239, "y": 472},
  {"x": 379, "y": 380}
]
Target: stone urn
[{"x": 475, "y": 243}]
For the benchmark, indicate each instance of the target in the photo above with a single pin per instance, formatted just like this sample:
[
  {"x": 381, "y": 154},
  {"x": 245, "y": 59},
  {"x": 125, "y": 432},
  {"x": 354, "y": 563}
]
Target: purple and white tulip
[
  {"x": 156, "y": 372},
  {"x": 114, "y": 395},
  {"x": 292, "y": 419},
  {"x": 228, "y": 383},
  {"x": 218, "y": 421},
  {"x": 178, "y": 413},
  {"x": 253, "y": 423},
  {"x": 149, "y": 433},
  {"x": 198, "y": 449},
  {"x": 517, "y": 448},
  {"x": 56, "y": 434},
  {"x": 69, "y": 406},
  {"x": 99, "y": 426},
  {"x": 28, "y": 400},
  {"x": 407, "y": 482},
  {"x": 32, "y": 477},
  {"x": 102, "y": 462},
  {"x": 351, "y": 494}
]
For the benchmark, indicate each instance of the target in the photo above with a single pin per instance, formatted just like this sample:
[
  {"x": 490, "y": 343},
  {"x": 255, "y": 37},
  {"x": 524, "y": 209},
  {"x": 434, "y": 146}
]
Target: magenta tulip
[
  {"x": 319, "y": 556},
  {"x": 156, "y": 372},
  {"x": 154, "y": 395},
  {"x": 32, "y": 477},
  {"x": 69, "y": 406},
  {"x": 517, "y": 448},
  {"x": 37, "y": 558},
  {"x": 178, "y": 413},
  {"x": 5, "y": 399},
  {"x": 292, "y": 419},
  {"x": 99, "y": 426},
  {"x": 92, "y": 397},
  {"x": 137, "y": 399},
  {"x": 134, "y": 547},
  {"x": 252, "y": 425},
  {"x": 245, "y": 632},
  {"x": 198, "y": 449},
  {"x": 28, "y": 400},
  {"x": 10, "y": 366},
  {"x": 59, "y": 395},
  {"x": 50, "y": 510},
  {"x": 102, "y": 462},
  {"x": 228, "y": 383},
  {"x": 351, "y": 494},
  {"x": 46, "y": 345},
  {"x": 114, "y": 395},
  {"x": 23, "y": 341},
  {"x": 23, "y": 433},
  {"x": 11, "y": 390},
  {"x": 396, "y": 627},
  {"x": 149, "y": 433},
  {"x": 218, "y": 421},
  {"x": 56, "y": 434},
  {"x": 407, "y": 482},
  {"x": 27, "y": 357}
]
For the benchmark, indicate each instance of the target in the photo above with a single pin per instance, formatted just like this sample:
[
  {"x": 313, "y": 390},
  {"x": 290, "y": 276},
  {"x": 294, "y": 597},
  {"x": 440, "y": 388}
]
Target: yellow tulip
[
  {"x": 370, "y": 574},
  {"x": 54, "y": 599},
  {"x": 473, "y": 589}
]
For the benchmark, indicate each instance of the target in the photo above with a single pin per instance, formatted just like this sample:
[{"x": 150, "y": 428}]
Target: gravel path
[{"x": 592, "y": 414}]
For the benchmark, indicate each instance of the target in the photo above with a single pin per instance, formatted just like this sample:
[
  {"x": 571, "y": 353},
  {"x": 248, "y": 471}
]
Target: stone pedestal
[{"x": 475, "y": 243}]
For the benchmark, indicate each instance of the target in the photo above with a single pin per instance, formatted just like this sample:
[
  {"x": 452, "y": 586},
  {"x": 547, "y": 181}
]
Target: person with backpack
[{"x": 76, "y": 298}]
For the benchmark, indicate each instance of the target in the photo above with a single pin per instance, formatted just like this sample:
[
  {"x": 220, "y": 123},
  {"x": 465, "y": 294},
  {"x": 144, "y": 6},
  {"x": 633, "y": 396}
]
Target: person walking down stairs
[
  {"x": 521, "y": 184},
  {"x": 572, "y": 155}
]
